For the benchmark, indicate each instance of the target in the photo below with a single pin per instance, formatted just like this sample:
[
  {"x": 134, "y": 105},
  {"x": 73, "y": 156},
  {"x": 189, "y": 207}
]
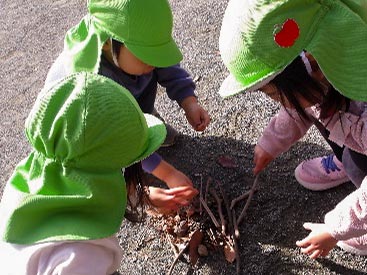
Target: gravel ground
[{"x": 31, "y": 36}]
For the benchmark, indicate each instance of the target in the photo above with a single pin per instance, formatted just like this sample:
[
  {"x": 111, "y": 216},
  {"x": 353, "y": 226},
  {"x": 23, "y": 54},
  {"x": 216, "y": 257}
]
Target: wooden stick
[
  {"x": 232, "y": 228},
  {"x": 207, "y": 189},
  {"x": 252, "y": 191},
  {"x": 238, "y": 259},
  {"x": 226, "y": 204},
  {"x": 220, "y": 211},
  {"x": 173, "y": 246},
  {"x": 236, "y": 231},
  {"x": 177, "y": 257},
  {"x": 216, "y": 223},
  {"x": 201, "y": 193},
  {"x": 239, "y": 198}
]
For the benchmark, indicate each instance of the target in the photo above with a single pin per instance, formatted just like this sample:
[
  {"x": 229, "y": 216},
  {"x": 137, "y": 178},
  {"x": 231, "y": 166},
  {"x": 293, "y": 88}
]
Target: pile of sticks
[{"x": 228, "y": 227}]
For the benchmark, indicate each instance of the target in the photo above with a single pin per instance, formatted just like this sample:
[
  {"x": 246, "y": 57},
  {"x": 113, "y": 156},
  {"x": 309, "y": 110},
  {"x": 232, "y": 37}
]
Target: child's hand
[
  {"x": 168, "y": 200},
  {"x": 261, "y": 159},
  {"x": 174, "y": 178},
  {"x": 195, "y": 114},
  {"x": 318, "y": 243}
]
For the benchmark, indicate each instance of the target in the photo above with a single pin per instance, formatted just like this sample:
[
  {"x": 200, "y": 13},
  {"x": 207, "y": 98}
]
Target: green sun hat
[
  {"x": 144, "y": 27},
  {"x": 83, "y": 130},
  {"x": 259, "y": 38}
]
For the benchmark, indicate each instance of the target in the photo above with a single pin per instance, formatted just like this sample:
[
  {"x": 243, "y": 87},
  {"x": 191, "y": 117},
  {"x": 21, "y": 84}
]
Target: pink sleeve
[
  {"x": 350, "y": 130},
  {"x": 349, "y": 218},
  {"x": 283, "y": 131}
]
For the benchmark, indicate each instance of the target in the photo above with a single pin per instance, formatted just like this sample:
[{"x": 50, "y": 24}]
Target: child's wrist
[{"x": 188, "y": 101}]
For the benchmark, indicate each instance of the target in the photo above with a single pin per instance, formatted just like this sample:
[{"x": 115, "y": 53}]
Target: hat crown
[
  {"x": 259, "y": 38},
  {"x": 87, "y": 121},
  {"x": 136, "y": 22}
]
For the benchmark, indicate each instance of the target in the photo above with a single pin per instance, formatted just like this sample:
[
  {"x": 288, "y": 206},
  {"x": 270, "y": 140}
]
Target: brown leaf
[
  {"x": 227, "y": 161},
  {"x": 195, "y": 241},
  {"x": 229, "y": 253}
]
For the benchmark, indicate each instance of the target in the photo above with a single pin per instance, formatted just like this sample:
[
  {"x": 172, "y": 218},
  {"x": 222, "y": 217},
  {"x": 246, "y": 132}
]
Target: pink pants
[{"x": 93, "y": 257}]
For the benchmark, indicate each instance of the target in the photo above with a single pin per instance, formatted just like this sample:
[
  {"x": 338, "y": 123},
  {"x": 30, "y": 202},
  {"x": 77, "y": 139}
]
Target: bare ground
[{"x": 31, "y": 37}]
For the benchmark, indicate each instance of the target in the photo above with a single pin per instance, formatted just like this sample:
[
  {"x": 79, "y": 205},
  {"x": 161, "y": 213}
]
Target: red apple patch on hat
[{"x": 286, "y": 34}]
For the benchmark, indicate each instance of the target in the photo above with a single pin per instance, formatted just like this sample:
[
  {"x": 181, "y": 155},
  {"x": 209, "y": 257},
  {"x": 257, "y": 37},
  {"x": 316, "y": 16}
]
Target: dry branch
[
  {"x": 178, "y": 257},
  {"x": 210, "y": 213},
  {"x": 252, "y": 191},
  {"x": 239, "y": 198},
  {"x": 220, "y": 211}
]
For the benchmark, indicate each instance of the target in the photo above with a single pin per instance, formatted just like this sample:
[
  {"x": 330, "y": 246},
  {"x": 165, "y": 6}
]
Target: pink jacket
[
  {"x": 346, "y": 128},
  {"x": 349, "y": 218}
]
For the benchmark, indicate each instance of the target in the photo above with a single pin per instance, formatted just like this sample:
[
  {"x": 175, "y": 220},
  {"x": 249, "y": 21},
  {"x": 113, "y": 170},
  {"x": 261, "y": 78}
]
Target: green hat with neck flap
[
  {"x": 83, "y": 130},
  {"x": 144, "y": 27},
  {"x": 259, "y": 38}
]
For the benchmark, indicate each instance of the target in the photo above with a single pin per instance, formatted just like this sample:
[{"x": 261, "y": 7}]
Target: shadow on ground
[{"x": 273, "y": 222}]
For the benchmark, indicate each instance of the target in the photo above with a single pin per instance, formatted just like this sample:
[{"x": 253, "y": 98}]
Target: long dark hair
[
  {"x": 137, "y": 191},
  {"x": 295, "y": 82}
]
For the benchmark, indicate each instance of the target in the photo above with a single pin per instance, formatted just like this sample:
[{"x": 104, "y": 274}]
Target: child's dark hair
[
  {"x": 116, "y": 46},
  {"x": 137, "y": 195},
  {"x": 295, "y": 82}
]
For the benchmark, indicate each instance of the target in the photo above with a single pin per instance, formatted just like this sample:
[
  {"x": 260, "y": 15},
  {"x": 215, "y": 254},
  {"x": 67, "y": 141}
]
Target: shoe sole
[
  {"x": 320, "y": 186},
  {"x": 351, "y": 249}
]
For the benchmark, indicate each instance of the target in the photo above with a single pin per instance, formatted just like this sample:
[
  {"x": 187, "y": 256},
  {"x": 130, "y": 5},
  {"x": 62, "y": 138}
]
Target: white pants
[{"x": 93, "y": 257}]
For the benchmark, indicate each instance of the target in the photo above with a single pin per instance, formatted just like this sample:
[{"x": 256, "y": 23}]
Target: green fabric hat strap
[{"x": 83, "y": 46}]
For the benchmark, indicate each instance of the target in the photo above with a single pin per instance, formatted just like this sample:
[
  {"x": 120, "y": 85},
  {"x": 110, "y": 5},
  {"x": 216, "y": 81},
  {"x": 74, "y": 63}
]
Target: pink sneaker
[
  {"x": 321, "y": 173},
  {"x": 356, "y": 246}
]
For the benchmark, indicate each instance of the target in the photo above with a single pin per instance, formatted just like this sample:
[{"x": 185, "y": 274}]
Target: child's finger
[
  {"x": 308, "y": 250},
  {"x": 307, "y": 225},
  {"x": 177, "y": 190},
  {"x": 315, "y": 254},
  {"x": 303, "y": 243}
]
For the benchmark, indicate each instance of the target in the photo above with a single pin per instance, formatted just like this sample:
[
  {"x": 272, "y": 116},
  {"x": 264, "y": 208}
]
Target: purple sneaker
[
  {"x": 321, "y": 173},
  {"x": 356, "y": 245}
]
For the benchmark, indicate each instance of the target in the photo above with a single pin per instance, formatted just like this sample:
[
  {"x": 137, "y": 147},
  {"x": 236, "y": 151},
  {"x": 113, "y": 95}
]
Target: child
[
  {"x": 64, "y": 203},
  {"x": 260, "y": 43},
  {"x": 131, "y": 43}
]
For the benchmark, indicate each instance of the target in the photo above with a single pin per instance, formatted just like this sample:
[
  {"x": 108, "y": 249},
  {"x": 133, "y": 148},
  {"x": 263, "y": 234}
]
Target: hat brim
[
  {"x": 230, "y": 86},
  {"x": 156, "y": 136},
  {"x": 160, "y": 56}
]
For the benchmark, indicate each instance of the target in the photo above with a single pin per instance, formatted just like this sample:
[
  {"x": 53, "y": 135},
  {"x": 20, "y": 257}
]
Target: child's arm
[
  {"x": 279, "y": 135},
  {"x": 181, "y": 88},
  {"x": 318, "y": 243},
  {"x": 168, "y": 200},
  {"x": 181, "y": 189},
  {"x": 347, "y": 220},
  {"x": 170, "y": 175},
  {"x": 349, "y": 217},
  {"x": 195, "y": 114},
  {"x": 261, "y": 159}
]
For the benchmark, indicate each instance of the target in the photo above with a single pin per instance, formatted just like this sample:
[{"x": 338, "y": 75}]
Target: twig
[
  {"x": 210, "y": 213},
  {"x": 207, "y": 189},
  {"x": 220, "y": 211},
  {"x": 173, "y": 246},
  {"x": 238, "y": 259},
  {"x": 236, "y": 231},
  {"x": 177, "y": 257},
  {"x": 239, "y": 198},
  {"x": 201, "y": 193},
  {"x": 252, "y": 191},
  {"x": 226, "y": 204},
  {"x": 232, "y": 228}
]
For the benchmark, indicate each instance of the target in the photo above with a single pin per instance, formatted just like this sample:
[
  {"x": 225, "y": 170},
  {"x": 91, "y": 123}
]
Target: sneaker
[
  {"x": 356, "y": 245},
  {"x": 171, "y": 132},
  {"x": 321, "y": 173}
]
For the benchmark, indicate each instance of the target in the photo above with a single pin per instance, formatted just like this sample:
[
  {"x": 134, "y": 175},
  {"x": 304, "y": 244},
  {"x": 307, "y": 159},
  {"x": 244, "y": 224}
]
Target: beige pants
[{"x": 94, "y": 257}]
